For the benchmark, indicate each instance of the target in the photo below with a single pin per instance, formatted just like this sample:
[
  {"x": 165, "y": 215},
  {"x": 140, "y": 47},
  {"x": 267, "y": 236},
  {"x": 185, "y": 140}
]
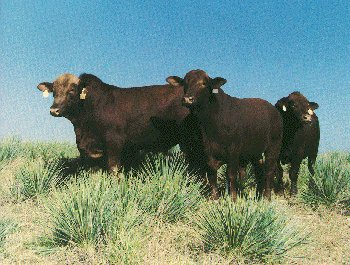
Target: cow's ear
[
  {"x": 313, "y": 105},
  {"x": 216, "y": 83},
  {"x": 282, "y": 104},
  {"x": 175, "y": 80},
  {"x": 45, "y": 86}
]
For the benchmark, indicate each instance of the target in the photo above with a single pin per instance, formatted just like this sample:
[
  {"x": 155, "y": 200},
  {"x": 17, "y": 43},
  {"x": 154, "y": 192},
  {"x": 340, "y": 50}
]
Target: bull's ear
[
  {"x": 45, "y": 86},
  {"x": 175, "y": 80},
  {"x": 313, "y": 105},
  {"x": 282, "y": 104},
  {"x": 216, "y": 83}
]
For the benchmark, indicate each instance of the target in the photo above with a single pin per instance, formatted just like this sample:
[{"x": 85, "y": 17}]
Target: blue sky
[{"x": 264, "y": 49}]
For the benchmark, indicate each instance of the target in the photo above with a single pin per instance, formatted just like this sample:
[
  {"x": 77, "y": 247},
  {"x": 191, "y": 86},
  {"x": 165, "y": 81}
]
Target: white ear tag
[
  {"x": 45, "y": 93},
  {"x": 310, "y": 111},
  {"x": 284, "y": 108},
  {"x": 83, "y": 93},
  {"x": 215, "y": 91}
]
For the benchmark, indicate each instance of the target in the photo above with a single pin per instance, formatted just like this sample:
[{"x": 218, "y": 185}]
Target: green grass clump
[
  {"x": 9, "y": 149},
  {"x": 6, "y": 228},
  {"x": 246, "y": 230},
  {"x": 92, "y": 210},
  {"x": 330, "y": 185},
  {"x": 244, "y": 185},
  {"x": 36, "y": 177},
  {"x": 166, "y": 189}
]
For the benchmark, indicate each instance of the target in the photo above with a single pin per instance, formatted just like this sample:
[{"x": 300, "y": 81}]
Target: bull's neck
[
  {"x": 78, "y": 116},
  {"x": 290, "y": 127},
  {"x": 207, "y": 113}
]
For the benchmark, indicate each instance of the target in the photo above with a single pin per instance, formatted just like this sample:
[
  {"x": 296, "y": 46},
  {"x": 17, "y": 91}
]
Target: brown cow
[
  {"x": 233, "y": 130},
  {"x": 112, "y": 123},
  {"x": 301, "y": 136}
]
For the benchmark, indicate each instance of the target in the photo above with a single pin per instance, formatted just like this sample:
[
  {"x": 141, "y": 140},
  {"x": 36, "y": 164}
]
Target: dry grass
[{"x": 328, "y": 240}]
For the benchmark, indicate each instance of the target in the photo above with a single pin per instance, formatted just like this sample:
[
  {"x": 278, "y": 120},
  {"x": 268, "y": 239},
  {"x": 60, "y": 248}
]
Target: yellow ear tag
[
  {"x": 83, "y": 93},
  {"x": 215, "y": 91},
  {"x": 45, "y": 93},
  {"x": 310, "y": 111},
  {"x": 284, "y": 108}
]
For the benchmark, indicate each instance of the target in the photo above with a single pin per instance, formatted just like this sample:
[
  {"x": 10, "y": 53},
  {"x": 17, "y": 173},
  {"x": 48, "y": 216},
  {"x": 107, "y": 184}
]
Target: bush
[
  {"x": 91, "y": 211},
  {"x": 244, "y": 185},
  {"x": 6, "y": 228},
  {"x": 9, "y": 149},
  {"x": 166, "y": 189},
  {"x": 36, "y": 177},
  {"x": 330, "y": 186},
  {"x": 248, "y": 229}
]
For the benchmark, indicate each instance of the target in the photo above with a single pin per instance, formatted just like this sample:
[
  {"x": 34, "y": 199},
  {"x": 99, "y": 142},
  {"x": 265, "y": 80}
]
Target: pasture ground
[{"x": 327, "y": 229}]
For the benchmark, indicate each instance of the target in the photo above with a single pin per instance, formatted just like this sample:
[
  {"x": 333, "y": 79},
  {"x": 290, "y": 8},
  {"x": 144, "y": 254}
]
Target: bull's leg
[
  {"x": 271, "y": 160},
  {"x": 279, "y": 187},
  {"x": 311, "y": 163},
  {"x": 293, "y": 175},
  {"x": 114, "y": 155},
  {"x": 232, "y": 170},
  {"x": 212, "y": 178},
  {"x": 259, "y": 177}
]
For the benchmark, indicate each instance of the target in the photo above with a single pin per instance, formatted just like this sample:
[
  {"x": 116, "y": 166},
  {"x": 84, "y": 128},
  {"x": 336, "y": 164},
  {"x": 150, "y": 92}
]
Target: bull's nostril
[{"x": 55, "y": 111}]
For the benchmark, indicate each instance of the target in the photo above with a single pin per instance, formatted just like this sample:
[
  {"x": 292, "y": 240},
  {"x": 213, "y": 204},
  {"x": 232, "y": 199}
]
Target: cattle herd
[{"x": 114, "y": 125}]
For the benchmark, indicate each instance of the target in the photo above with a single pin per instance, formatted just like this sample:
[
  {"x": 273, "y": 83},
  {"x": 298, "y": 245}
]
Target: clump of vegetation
[
  {"x": 36, "y": 177},
  {"x": 244, "y": 185},
  {"x": 165, "y": 187},
  {"x": 246, "y": 230},
  {"x": 330, "y": 185},
  {"x": 91, "y": 211},
  {"x": 9, "y": 149},
  {"x": 6, "y": 228}
]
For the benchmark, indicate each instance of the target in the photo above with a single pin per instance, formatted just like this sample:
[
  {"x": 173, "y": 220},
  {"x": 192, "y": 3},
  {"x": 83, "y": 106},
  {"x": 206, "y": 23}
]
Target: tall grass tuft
[
  {"x": 244, "y": 185},
  {"x": 36, "y": 177},
  {"x": 248, "y": 229},
  {"x": 330, "y": 185},
  {"x": 91, "y": 211},
  {"x": 9, "y": 149},
  {"x": 166, "y": 189},
  {"x": 6, "y": 228}
]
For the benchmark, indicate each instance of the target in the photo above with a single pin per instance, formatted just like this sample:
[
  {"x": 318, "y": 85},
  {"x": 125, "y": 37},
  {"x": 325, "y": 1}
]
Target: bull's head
[
  {"x": 198, "y": 86},
  {"x": 66, "y": 93},
  {"x": 296, "y": 106}
]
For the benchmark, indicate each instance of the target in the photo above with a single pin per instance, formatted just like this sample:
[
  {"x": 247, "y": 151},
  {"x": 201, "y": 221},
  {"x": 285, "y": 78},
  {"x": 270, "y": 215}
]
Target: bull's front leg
[
  {"x": 232, "y": 173},
  {"x": 114, "y": 155}
]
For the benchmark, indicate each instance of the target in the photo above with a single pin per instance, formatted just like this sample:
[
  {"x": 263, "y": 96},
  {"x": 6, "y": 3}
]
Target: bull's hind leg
[
  {"x": 232, "y": 173},
  {"x": 293, "y": 175},
  {"x": 212, "y": 178},
  {"x": 279, "y": 186},
  {"x": 311, "y": 163},
  {"x": 259, "y": 176},
  {"x": 271, "y": 159}
]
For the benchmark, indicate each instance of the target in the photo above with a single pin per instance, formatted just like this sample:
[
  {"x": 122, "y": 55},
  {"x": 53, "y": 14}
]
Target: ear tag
[
  {"x": 284, "y": 108},
  {"x": 215, "y": 91},
  {"x": 83, "y": 93},
  {"x": 310, "y": 111},
  {"x": 45, "y": 93}
]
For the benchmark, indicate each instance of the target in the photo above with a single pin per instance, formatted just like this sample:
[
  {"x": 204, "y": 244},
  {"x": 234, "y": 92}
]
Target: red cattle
[{"x": 233, "y": 130}]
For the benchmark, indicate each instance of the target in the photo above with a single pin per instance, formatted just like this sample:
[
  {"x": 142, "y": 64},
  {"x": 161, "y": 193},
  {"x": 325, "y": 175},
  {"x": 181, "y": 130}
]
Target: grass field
[{"x": 161, "y": 214}]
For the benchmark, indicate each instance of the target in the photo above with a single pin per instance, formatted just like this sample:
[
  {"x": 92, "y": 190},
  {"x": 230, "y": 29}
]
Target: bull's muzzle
[
  {"x": 55, "y": 112},
  {"x": 307, "y": 118},
  {"x": 187, "y": 101}
]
